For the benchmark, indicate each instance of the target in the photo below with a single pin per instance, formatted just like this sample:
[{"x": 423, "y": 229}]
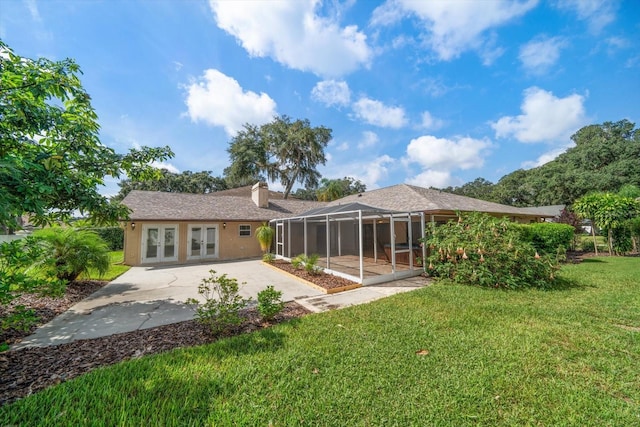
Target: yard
[{"x": 442, "y": 355}]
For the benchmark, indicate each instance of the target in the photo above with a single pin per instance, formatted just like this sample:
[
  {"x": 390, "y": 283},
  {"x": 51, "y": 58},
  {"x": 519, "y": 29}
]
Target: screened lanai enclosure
[{"x": 358, "y": 242}]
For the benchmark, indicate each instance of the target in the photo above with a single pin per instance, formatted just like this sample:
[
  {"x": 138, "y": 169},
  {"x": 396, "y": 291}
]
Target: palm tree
[{"x": 70, "y": 252}]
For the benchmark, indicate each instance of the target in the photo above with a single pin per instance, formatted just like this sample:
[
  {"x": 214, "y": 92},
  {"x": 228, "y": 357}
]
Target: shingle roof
[
  {"x": 404, "y": 197},
  {"x": 156, "y": 205},
  {"x": 246, "y": 192}
]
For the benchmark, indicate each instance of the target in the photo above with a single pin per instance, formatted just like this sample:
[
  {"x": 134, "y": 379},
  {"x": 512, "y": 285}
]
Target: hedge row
[
  {"x": 547, "y": 237},
  {"x": 114, "y": 236}
]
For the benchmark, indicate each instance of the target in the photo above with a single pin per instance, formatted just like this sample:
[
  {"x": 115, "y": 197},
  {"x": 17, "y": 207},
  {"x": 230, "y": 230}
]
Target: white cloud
[
  {"x": 541, "y": 53},
  {"x": 164, "y": 165},
  {"x": 597, "y": 13},
  {"x": 33, "y": 10},
  {"x": 432, "y": 178},
  {"x": 374, "y": 171},
  {"x": 369, "y": 139},
  {"x": 377, "y": 114},
  {"x": 293, "y": 34},
  {"x": 218, "y": 100},
  {"x": 331, "y": 92},
  {"x": 453, "y": 27},
  {"x": 544, "y": 118},
  {"x": 431, "y": 123},
  {"x": 447, "y": 154},
  {"x": 545, "y": 157}
]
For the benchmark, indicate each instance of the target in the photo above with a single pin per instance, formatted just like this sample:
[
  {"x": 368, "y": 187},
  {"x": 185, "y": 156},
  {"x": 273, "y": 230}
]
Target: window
[{"x": 245, "y": 230}]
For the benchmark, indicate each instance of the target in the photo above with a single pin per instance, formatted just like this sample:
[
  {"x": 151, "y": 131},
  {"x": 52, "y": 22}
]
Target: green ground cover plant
[{"x": 441, "y": 355}]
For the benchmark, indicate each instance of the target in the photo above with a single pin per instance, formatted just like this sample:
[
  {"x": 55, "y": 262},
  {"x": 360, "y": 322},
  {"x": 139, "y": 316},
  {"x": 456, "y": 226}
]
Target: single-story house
[
  {"x": 180, "y": 228},
  {"x": 370, "y": 237},
  {"x": 373, "y": 237}
]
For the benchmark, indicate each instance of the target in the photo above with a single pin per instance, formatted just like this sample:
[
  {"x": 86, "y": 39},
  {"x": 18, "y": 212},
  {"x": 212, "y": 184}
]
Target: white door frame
[
  {"x": 203, "y": 243},
  {"x": 160, "y": 244}
]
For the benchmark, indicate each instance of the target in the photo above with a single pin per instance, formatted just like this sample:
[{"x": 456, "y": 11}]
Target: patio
[{"x": 361, "y": 243}]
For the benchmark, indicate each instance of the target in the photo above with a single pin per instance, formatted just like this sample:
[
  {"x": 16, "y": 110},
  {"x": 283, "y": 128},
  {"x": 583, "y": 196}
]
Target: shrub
[
  {"x": 307, "y": 262},
  {"x": 113, "y": 236},
  {"x": 69, "y": 252},
  {"x": 482, "y": 250},
  {"x": 548, "y": 237},
  {"x": 268, "y": 257},
  {"x": 269, "y": 302},
  {"x": 221, "y": 309},
  {"x": 15, "y": 259}
]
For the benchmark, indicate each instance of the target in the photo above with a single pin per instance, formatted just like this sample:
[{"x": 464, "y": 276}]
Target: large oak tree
[{"x": 282, "y": 150}]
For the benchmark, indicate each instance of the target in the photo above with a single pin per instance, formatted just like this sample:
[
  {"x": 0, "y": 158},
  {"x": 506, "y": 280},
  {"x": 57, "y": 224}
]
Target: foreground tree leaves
[{"x": 52, "y": 162}]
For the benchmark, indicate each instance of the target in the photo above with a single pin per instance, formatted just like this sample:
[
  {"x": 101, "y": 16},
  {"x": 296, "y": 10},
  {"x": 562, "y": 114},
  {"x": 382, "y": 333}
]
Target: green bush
[
  {"x": 221, "y": 309},
  {"x": 482, "y": 250},
  {"x": 307, "y": 262},
  {"x": 268, "y": 257},
  {"x": 15, "y": 279},
  {"x": 113, "y": 236},
  {"x": 69, "y": 252},
  {"x": 548, "y": 237},
  {"x": 269, "y": 302}
]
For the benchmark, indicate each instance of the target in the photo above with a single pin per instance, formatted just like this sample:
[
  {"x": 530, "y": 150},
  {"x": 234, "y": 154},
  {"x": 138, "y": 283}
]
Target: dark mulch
[
  {"x": 46, "y": 307},
  {"x": 326, "y": 281},
  {"x": 25, "y": 371}
]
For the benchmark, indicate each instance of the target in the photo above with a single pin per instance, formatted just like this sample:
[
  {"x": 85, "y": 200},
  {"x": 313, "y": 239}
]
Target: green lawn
[
  {"x": 443, "y": 355},
  {"x": 116, "y": 269}
]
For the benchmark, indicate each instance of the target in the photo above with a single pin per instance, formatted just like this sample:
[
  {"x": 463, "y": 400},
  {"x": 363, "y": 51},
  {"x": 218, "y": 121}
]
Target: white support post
[
  {"x": 328, "y": 242},
  {"x": 288, "y": 238},
  {"x": 392, "y": 230},
  {"x": 305, "y": 235},
  {"x": 375, "y": 240},
  {"x": 410, "y": 240},
  {"x": 424, "y": 245},
  {"x": 360, "y": 243}
]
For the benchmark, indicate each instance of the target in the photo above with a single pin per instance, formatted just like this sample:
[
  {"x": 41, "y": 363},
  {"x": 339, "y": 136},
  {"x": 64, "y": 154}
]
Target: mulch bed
[
  {"x": 46, "y": 308},
  {"x": 326, "y": 281},
  {"x": 28, "y": 370}
]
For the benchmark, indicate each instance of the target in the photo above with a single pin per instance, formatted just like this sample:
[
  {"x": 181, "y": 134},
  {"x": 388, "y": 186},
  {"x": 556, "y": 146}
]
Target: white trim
[
  {"x": 203, "y": 254},
  {"x": 162, "y": 228}
]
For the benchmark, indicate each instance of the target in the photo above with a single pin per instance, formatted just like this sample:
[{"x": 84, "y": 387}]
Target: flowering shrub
[{"x": 485, "y": 251}]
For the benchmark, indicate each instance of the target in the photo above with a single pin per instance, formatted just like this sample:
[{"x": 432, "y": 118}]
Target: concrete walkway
[{"x": 145, "y": 297}]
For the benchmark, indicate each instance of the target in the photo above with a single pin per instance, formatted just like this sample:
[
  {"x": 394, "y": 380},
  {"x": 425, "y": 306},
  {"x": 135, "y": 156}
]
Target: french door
[
  {"x": 203, "y": 241},
  {"x": 159, "y": 243}
]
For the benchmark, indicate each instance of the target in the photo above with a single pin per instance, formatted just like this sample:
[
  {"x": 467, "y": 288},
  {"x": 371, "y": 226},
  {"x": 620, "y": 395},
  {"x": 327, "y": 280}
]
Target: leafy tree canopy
[
  {"x": 282, "y": 150},
  {"x": 605, "y": 158},
  {"x": 333, "y": 189},
  {"x": 185, "y": 182},
  {"x": 51, "y": 159}
]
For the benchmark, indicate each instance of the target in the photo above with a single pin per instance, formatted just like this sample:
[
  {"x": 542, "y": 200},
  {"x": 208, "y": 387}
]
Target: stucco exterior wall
[{"x": 230, "y": 244}]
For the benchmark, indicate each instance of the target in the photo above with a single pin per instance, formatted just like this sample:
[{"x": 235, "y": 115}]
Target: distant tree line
[{"x": 604, "y": 159}]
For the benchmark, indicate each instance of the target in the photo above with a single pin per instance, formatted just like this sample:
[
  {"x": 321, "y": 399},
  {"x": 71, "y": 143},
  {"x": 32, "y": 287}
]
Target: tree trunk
[
  {"x": 595, "y": 241},
  {"x": 610, "y": 241}
]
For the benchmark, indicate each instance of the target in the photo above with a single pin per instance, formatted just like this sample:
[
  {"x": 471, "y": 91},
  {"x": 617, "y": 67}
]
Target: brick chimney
[{"x": 260, "y": 194}]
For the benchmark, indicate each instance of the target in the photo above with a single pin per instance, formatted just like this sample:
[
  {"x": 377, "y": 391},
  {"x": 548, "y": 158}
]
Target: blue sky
[{"x": 428, "y": 93}]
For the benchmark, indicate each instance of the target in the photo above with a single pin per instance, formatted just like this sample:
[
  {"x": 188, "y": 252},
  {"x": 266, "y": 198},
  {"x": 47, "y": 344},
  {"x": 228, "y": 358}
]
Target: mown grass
[
  {"x": 115, "y": 269},
  {"x": 443, "y": 355}
]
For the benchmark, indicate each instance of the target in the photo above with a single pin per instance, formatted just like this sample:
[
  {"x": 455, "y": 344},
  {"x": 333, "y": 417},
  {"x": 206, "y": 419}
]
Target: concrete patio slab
[{"x": 145, "y": 297}]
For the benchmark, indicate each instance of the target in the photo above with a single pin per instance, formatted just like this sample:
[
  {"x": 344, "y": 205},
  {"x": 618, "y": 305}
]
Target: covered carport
[{"x": 361, "y": 243}]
